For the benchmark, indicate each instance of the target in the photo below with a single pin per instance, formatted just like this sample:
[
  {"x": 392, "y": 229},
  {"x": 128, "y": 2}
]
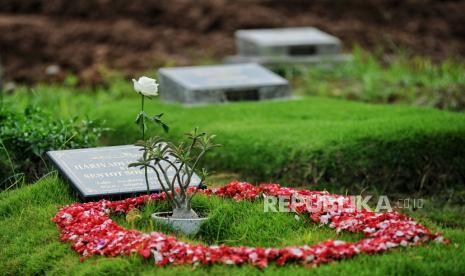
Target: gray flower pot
[{"x": 186, "y": 226}]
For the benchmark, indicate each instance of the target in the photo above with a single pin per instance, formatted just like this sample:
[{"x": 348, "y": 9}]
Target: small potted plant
[{"x": 174, "y": 167}]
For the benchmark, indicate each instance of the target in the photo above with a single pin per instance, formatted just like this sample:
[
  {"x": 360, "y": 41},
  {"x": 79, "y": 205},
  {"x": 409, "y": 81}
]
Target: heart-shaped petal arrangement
[{"x": 91, "y": 231}]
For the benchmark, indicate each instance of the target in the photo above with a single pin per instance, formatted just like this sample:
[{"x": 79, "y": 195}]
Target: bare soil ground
[{"x": 80, "y": 36}]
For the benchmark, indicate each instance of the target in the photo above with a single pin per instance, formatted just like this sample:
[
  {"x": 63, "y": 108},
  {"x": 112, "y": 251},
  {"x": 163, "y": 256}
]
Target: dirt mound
[{"x": 79, "y": 36}]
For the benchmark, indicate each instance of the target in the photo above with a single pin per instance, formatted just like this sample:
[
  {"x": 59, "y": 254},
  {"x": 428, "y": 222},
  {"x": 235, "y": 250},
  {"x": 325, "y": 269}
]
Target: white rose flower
[{"x": 146, "y": 86}]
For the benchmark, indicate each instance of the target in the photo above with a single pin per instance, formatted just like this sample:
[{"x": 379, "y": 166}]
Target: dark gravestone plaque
[{"x": 104, "y": 173}]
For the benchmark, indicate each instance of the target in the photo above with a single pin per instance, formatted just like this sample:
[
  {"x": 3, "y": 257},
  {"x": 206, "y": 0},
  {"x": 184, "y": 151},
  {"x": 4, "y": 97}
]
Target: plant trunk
[{"x": 184, "y": 211}]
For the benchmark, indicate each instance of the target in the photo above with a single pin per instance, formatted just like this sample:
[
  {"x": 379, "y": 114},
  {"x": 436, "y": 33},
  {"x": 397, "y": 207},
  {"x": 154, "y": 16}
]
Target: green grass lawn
[{"x": 30, "y": 243}]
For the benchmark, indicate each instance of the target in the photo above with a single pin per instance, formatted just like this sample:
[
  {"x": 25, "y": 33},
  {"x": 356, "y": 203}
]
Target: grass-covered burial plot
[
  {"x": 91, "y": 231},
  {"x": 321, "y": 140},
  {"x": 30, "y": 243}
]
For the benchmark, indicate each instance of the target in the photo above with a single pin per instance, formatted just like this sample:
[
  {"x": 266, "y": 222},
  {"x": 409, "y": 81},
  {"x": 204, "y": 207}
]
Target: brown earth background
[{"x": 131, "y": 36}]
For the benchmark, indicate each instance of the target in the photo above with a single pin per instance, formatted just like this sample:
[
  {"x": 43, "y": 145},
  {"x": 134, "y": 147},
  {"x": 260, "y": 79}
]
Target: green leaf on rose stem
[
  {"x": 157, "y": 119},
  {"x": 140, "y": 117},
  {"x": 165, "y": 127}
]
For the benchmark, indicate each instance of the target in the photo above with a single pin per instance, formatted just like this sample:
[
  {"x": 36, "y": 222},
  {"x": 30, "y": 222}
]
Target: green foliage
[
  {"x": 25, "y": 136},
  {"x": 38, "y": 250},
  {"x": 416, "y": 81}
]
